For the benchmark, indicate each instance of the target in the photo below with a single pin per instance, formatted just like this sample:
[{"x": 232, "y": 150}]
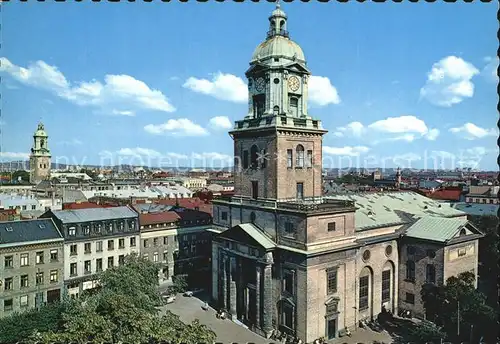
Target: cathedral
[
  {"x": 287, "y": 258},
  {"x": 40, "y": 156}
]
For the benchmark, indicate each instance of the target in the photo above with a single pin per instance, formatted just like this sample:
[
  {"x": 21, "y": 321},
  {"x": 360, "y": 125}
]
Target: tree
[
  {"x": 426, "y": 332},
  {"x": 458, "y": 299},
  {"x": 21, "y": 174},
  {"x": 180, "y": 283},
  {"x": 123, "y": 309}
]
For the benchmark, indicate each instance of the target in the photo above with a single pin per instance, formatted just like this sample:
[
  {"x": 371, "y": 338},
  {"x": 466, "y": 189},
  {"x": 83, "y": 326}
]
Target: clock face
[
  {"x": 260, "y": 84},
  {"x": 293, "y": 83}
]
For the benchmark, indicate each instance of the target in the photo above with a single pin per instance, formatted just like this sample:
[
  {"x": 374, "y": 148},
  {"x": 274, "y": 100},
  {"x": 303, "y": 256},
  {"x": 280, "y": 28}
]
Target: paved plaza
[{"x": 189, "y": 309}]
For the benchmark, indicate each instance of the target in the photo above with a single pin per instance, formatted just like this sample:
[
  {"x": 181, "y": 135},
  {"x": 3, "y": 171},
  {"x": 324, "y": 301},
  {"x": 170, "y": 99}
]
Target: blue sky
[{"x": 410, "y": 84}]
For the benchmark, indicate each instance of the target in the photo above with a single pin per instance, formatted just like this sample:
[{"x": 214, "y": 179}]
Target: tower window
[
  {"x": 254, "y": 156},
  {"x": 289, "y": 162},
  {"x": 259, "y": 103},
  {"x": 255, "y": 189},
  {"x": 309, "y": 161},
  {"x": 276, "y": 80},
  {"x": 300, "y": 190},
  {"x": 245, "y": 159},
  {"x": 300, "y": 156},
  {"x": 294, "y": 104}
]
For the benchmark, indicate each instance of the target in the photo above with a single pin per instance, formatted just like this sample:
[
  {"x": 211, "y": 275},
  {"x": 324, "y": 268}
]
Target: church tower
[
  {"x": 278, "y": 146},
  {"x": 40, "y": 156}
]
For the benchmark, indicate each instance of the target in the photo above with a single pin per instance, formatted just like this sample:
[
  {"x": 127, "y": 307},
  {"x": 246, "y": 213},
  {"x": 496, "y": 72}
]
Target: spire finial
[{"x": 278, "y": 4}]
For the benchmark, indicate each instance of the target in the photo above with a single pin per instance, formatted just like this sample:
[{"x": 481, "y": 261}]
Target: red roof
[
  {"x": 85, "y": 205},
  {"x": 443, "y": 194},
  {"x": 154, "y": 218},
  {"x": 189, "y": 203}
]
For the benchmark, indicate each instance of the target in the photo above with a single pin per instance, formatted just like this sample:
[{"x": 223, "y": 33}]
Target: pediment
[
  {"x": 248, "y": 234},
  {"x": 297, "y": 67},
  {"x": 332, "y": 305},
  {"x": 256, "y": 69}
]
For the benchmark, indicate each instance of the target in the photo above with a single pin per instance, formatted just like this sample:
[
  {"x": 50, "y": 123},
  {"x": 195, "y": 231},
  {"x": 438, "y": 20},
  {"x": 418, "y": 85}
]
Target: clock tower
[
  {"x": 40, "y": 156},
  {"x": 278, "y": 146}
]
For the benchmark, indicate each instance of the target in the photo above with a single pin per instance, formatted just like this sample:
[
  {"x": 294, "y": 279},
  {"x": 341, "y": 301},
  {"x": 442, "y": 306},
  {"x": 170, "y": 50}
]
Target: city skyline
[{"x": 382, "y": 92}]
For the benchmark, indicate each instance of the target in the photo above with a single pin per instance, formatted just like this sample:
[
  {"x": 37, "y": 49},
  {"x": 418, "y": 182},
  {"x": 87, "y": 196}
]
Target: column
[
  {"x": 257, "y": 295},
  {"x": 267, "y": 323},
  {"x": 232, "y": 286},
  {"x": 305, "y": 95},
  {"x": 223, "y": 302}
]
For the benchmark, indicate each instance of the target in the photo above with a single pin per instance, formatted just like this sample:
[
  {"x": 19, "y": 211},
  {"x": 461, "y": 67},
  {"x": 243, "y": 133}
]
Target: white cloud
[
  {"x": 177, "y": 127},
  {"x": 449, "y": 82},
  {"x": 139, "y": 152},
  {"x": 470, "y": 131},
  {"x": 118, "y": 94},
  {"x": 403, "y": 128},
  {"x": 490, "y": 71},
  {"x": 347, "y": 150},
  {"x": 322, "y": 92},
  {"x": 222, "y": 86},
  {"x": 233, "y": 88},
  {"x": 123, "y": 112},
  {"x": 407, "y": 157},
  {"x": 213, "y": 156},
  {"x": 14, "y": 155},
  {"x": 220, "y": 122},
  {"x": 442, "y": 155}
]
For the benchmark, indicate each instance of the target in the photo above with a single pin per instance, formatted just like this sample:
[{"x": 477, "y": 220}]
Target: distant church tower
[
  {"x": 40, "y": 156},
  {"x": 278, "y": 146}
]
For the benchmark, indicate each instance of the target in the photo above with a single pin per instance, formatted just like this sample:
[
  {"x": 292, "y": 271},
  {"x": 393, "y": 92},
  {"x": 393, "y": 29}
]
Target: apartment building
[
  {"x": 95, "y": 240},
  {"x": 31, "y": 258}
]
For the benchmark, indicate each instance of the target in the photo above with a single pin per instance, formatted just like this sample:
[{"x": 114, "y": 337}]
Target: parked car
[
  {"x": 188, "y": 293},
  {"x": 169, "y": 299}
]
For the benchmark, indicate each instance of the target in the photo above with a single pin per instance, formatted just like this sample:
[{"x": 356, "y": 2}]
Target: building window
[
  {"x": 386, "y": 285},
  {"x": 287, "y": 316},
  {"x": 463, "y": 231},
  {"x": 300, "y": 156},
  {"x": 430, "y": 274},
  {"x": 24, "y": 259},
  {"x": 253, "y": 156},
  {"x": 24, "y": 281},
  {"x": 87, "y": 266},
  {"x": 145, "y": 243},
  {"x": 309, "y": 160},
  {"x": 410, "y": 270},
  {"x": 245, "y": 159},
  {"x": 39, "y": 278},
  {"x": 73, "y": 269},
  {"x": 72, "y": 231},
  {"x": 331, "y": 226},
  {"x": 165, "y": 256},
  {"x": 86, "y": 229},
  {"x": 121, "y": 259},
  {"x": 289, "y": 228},
  {"x": 73, "y": 250},
  {"x": 224, "y": 215},
  {"x": 263, "y": 159},
  {"x": 259, "y": 103},
  {"x": 289, "y": 162},
  {"x": 431, "y": 254},
  {"x": 86, "y": 248},
  {"x": 331, "y": 278},
  {"x": 23, "y": 301},
  {"x": 165, "y": 240},
  {"x": 388, "y": 250},
  {"x": 288, "y": 282},
  {"x": 155, "y": 242},
  {"x": 300, "y": 190},
  {"x": 363, "y": 292},
  {"x": 155, "y": 257},
  {"x": 9, "y": 261},
  {"x": 410, "y": 298},
  {"x": 146, "y": 256},
  {"x": 8, "y": 284},
  {"x": 39, "y": 258},
  {"x": 132, "y": 242},
  {"x": 98, "y": 246},
  {"x": 98, "y": 265},
  {"x": 366, "y": 255},
  {"x": 121, "y": 243},
  {"x": 111, "y": 262},
  {"x": 294, "y": 103},
  {"x": 7, "y": 305},
  {"x": 111, "y": 245},
  {"x": 54, "y": 276},
  {"x": 255, "y": 189}
]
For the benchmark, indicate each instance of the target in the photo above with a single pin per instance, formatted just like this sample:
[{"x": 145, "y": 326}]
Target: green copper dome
[
  {"x": 40, "y": 131},
  {"x": 278, "y": 48}
]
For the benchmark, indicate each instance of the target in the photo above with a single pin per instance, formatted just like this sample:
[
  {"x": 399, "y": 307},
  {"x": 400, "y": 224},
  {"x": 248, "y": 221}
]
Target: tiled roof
[
  {"x": 151, "y": 207},
  {"x": 444, "y": 194},
  {"x": 192, "y": 215},
  {"x": 436, "y": 228},
  {"x": 71, "y": 196},
  {"x": 81, "y": 205},
  {"x": 94, "y": 214},
  {"x": 382, "y": 209},
  {"x": 257, "y": 235},
  {"x": 18, "y": 232},
  {"x": 154, "y": 218},
  {"x": 476, "y": 208}
]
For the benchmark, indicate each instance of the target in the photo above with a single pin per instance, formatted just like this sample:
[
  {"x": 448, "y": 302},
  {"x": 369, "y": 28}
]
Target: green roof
[
  {"x": 382, "y": 209},
  {"x": 257, "y": 235},
  {"x": 436, "y": 228}
]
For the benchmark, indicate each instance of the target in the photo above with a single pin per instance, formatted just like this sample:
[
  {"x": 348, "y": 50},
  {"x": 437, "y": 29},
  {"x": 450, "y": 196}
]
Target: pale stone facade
[{"x": 40, "y": 156}]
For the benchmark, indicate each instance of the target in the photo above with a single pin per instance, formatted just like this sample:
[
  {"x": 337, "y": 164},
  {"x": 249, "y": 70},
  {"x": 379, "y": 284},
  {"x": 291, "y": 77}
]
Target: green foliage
[
  {"x": 24, "y": 175},
  {"x": 180, "y": 283},
  {"x": 443, "y": 304},
  {"x": 123, "y": 309},
  {"x": 427, "y": 331}
]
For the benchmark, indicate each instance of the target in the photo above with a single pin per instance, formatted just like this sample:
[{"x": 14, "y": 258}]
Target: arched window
[
  {"x": 410, "y": 270},
  {"x": 300, "y": 156},
  {"x": 253, "y": 156},
  {"x": 42, "y": 143},
  {"x": 276, "y": 110},
  {"x": 463, "y": 232},
  {"x": 282, "y": 25}
]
